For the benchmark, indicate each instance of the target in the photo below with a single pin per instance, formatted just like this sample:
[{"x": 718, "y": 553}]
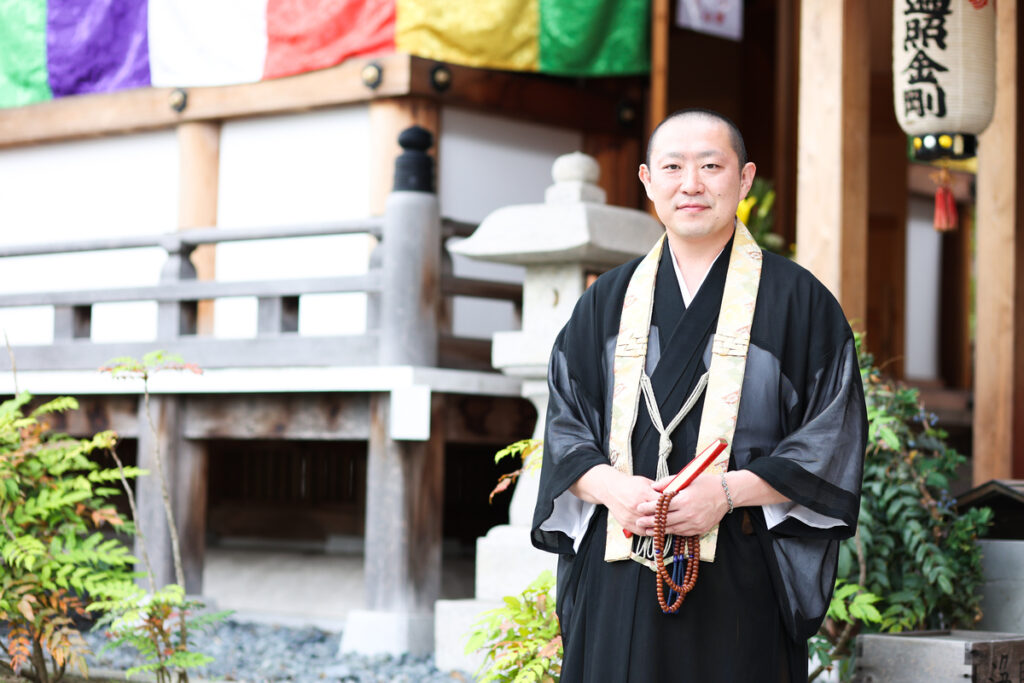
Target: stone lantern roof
[{"x": 573, "y": 225}]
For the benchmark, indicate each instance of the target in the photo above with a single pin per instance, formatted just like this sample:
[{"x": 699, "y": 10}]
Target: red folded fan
[{"x": 695, "y": 466}]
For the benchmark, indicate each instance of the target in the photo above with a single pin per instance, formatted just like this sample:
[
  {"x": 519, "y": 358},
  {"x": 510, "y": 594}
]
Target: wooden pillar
[
  {"x": 190, "y": 496},
  {"x": 198, "y": 181},
  {"x": 998, "y": 450},
  {"x": 165, "y": 414},
  {"x": 832, "y": 156},
  {"x": 657, "y": 104},
  {"x": 404, "y": 504},
  {"x": 388, "y": 118}
]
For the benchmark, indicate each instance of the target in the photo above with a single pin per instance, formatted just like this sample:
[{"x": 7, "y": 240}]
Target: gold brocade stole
[{"x": 728, "y": 363}]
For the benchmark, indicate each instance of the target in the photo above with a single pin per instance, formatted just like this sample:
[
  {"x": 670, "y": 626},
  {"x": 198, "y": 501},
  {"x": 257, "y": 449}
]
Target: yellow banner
[{"x": 495, "y": 34}]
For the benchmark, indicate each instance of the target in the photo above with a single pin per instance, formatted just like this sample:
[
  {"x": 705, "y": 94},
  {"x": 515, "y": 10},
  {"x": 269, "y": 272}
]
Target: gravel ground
[{"x": 261, "y": 652}]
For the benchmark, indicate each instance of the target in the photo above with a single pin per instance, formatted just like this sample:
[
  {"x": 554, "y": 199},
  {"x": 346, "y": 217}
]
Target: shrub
[
  {"x": 913, "y": 549},
  {"x": 54, "y": 504}
]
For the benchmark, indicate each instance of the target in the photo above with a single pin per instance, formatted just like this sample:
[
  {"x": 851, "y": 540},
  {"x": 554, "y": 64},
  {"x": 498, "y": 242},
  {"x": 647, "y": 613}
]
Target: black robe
[{"x": 801, "y": 427}]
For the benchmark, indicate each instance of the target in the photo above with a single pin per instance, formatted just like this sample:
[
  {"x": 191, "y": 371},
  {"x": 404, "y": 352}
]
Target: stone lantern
[{"x": 564, "y": 243}]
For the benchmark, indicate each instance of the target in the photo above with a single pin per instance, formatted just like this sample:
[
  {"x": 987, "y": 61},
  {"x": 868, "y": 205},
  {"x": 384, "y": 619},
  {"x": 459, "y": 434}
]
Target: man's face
[{"x": 694, "y": 179}]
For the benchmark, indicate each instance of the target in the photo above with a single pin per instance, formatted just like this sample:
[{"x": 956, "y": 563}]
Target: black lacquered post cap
[{"x": 414, "y": 168}]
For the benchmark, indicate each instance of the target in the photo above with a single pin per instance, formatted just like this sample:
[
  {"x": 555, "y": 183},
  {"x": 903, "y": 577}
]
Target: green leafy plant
[
  {"x": 756, "y": 211},
  {"x": 57, "y": 563},
  {"x": 914, "y": 553},
  {"x": 162, "y": 624},
  {"x": 521, "y": 639},
  {"x": 529, "y": 453}
]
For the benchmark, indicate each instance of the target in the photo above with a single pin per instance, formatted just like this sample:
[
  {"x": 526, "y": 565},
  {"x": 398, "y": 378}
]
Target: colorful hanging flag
[{"x": 55, "y": 48}]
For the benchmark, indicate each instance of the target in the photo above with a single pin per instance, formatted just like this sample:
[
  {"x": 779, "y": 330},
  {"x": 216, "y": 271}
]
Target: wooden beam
[
  {"x": 388, "y": 118},
  {"x": 310, "y": 417},
  {"x": 198, "y": 182},
  {"x": 150, "y": 108},
  {"x": 998, "y": 451},
  {"x": 588, "y": 105},
  {"x": 593, "y": 105},
  {"x": 99, "y": 413},
  {"x": 832, "y": 178}
]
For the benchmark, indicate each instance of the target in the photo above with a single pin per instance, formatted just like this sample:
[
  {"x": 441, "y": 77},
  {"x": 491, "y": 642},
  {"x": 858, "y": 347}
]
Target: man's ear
[
  {"x": 645, "y": 177},
  {"x": 747, "y": 178}
]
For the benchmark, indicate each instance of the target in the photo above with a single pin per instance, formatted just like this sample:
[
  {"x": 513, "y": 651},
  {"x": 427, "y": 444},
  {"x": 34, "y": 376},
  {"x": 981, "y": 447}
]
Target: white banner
[{"x": 722, "y": 18}]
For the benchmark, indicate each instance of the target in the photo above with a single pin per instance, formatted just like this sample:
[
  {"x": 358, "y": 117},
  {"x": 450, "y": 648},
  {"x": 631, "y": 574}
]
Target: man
[{"x": 796, "y": 437}]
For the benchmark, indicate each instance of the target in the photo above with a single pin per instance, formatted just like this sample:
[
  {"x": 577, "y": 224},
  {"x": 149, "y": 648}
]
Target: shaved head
[{"x": 735, "y": 137}]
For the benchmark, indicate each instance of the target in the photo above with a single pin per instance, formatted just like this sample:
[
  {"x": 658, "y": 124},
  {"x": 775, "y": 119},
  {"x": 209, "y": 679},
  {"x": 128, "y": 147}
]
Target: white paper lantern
[{"x": 944, "y": 73}]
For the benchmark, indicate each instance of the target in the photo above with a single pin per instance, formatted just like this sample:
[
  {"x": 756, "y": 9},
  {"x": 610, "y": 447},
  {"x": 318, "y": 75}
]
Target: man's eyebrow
[{"x": 699, "y": 155}]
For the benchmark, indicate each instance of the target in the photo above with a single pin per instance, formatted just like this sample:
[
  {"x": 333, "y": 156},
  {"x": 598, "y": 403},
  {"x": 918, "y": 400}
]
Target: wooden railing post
[
  {"x": 411, "y": 258},
  {"x": 176, "y": 319},
  {"x": 405, "y": 462}
]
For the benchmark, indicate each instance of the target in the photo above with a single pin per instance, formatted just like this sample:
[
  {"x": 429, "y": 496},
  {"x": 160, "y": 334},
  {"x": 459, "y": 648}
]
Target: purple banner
[{"x": 96, "y": 46}]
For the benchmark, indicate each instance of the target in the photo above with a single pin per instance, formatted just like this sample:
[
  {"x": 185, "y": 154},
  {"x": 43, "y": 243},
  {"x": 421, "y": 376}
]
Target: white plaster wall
[
  {"x": 293, "y": 169},
  {"x": 487, "y": 162},
  {"x": 126, "y": 185},
  {"x": 924, "y": 261}
]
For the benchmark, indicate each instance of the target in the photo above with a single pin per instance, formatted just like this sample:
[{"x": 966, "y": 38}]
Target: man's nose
[{"x": 690, "y": 182}]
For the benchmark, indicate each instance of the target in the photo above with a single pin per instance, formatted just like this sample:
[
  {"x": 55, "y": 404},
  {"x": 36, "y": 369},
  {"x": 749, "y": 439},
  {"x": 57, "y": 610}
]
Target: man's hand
[
  {"x": 693, "y": 511},
  {"x": 702, "y": 504},
  {"x": 622, "y": 494}
]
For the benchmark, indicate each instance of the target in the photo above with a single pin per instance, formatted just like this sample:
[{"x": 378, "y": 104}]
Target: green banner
[
  {"x": 23, "y": 75},
  {"x": 595, "y": 38}
]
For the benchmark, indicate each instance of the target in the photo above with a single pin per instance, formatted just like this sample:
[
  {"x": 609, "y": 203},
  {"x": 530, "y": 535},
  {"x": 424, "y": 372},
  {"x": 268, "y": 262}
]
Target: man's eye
[{"x": 711, "y": 166}]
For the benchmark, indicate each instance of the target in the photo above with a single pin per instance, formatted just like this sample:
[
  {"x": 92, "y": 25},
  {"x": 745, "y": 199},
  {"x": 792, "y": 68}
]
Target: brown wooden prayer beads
[{"x": 691, "y": 547}]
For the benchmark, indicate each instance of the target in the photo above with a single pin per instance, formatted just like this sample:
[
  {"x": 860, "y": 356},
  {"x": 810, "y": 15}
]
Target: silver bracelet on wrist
[{"x": 728, "y": 496}]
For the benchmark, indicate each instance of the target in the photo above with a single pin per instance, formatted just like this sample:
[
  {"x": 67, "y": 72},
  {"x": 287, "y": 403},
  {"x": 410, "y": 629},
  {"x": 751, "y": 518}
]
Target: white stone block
[
  {"x": 1002, "y": 594},
  {"x": 506, "y": 562},
  {"x": 371, "y": 632}
]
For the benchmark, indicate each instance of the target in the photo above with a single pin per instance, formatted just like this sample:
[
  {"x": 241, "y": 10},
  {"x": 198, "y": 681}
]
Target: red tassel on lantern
[{"x": 945, "y": 205}]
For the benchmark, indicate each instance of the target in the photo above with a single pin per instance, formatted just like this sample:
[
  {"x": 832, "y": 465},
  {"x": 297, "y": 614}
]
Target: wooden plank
[
  {"x": 96, "y": 414},
  {"x": 483, "y": 289},
  {"x": 586, "y": 105},
  {"x": 310, "y": 417},
  {"x": 190, "y": 290},
  {"x": 833, "y": 149},
  {"x": 997, "y": 427},
  {"x": 464, "y": 353},
  {"x": 150, "y": 108},
  {"x": 198, "y": 180},
  {"x": 269, "y": 352},
  {"x": 197, "y": 236},
  {"x": 617, "y": 157},
  {"x": 388, "y": 118},
  {"x": 485, "y": 420}
]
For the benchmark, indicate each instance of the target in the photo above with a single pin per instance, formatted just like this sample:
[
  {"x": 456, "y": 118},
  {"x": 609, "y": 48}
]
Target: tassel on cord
[{"x": 946, "y": 218}]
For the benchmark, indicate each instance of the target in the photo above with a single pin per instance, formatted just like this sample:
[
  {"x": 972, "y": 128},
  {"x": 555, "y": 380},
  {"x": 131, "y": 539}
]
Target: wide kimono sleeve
[{"x": 817, "y": 462}]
